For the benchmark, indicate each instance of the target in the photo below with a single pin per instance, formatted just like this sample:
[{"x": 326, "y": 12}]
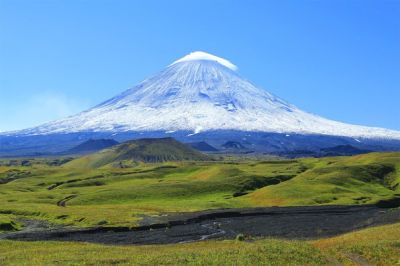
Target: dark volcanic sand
[{"x": 280, "y": 222}]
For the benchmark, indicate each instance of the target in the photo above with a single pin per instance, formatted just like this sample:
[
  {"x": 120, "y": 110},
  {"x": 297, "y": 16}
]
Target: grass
[
  {"x": 120, "y": 196},
  {"x": 9, "y": 223},
  {"x": 204, "y": 253},
  {"x": 362, "y": 179},
  {"x": 377, "y": 246}
]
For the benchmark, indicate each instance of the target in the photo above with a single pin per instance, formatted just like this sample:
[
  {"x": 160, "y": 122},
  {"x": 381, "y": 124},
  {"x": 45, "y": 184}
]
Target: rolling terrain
[
  {"x": 77, "y": 193},
  {"x": 158, "y": 191}
]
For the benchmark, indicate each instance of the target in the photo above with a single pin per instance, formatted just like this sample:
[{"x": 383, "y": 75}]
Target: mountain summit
[
  {"x": 197, "y": 93},
  {"x": 195, "y": 56}
]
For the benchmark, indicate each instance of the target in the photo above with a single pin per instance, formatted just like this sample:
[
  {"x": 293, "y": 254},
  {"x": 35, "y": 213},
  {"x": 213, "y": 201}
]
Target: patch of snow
[
  {"x": 199, "y": 55},
  {"x": 198, "y": 129}
]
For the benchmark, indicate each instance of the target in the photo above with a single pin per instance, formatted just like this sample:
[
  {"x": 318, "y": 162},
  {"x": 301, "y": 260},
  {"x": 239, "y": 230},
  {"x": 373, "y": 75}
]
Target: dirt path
[
  {"x": 13, "y": 175},
  {"x": 357, "y": 259},
  {"x": 63, "y": 202},
  {"x": 57, "y": 184}
]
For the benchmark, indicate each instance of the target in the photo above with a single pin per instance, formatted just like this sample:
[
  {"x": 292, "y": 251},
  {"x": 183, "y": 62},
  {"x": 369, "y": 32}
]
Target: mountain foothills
[
  {"x": 142, "y": 150},
  {"x": 121, "y": 185},
  {"x": 91, "y": 145},
  {"x": 200, "y": 97}
]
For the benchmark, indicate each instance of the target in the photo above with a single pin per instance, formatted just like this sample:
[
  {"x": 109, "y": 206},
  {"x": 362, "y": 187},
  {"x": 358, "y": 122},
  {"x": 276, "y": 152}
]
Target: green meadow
[
  {"x": 372, "y": 246},
  {"x": 90, "y": 191},
  {"x": 76, "y": 193}
]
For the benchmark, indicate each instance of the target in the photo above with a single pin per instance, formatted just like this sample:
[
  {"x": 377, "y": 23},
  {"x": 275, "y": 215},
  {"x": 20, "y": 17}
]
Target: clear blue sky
[{"x": 338, "y": 59}]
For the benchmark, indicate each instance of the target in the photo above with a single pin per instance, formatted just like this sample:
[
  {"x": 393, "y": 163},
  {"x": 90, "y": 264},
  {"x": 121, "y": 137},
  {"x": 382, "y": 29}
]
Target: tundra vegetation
[{"x": 105, "y": 189}]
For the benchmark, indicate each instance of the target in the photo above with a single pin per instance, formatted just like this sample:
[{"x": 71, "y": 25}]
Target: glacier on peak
[{"x": 199, "y": 55}]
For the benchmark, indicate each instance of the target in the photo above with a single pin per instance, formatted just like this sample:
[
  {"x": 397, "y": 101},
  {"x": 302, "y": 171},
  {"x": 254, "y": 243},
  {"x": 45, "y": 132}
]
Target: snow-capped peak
[
  {"x": 199, "y": 93},
  {"x": 199, "y": 55}
]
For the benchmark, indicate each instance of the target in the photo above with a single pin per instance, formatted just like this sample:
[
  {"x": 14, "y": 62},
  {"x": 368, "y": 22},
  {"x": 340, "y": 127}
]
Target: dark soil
[{"x": 280, "y": 222}]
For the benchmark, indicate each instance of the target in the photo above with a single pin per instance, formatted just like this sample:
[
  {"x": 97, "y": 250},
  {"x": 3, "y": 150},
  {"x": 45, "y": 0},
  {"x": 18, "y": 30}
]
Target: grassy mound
[
  {"x": 358, "y": 179},
  {"x": 8, "y": 223},
  {"x": 141, "y": 150}
]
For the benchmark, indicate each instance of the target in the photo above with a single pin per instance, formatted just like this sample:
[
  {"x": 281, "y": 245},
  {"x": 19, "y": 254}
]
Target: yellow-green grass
[
  {"x": 120, "y": 196},
  {"x": 376, "y": 246},
  {"x": 9, "y": 223},
  {"x": 359, "y": 179}
]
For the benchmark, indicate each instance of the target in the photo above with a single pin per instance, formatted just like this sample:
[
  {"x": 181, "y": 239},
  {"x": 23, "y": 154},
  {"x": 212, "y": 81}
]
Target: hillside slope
[
  {"x": 359, "y": 179},
  {"x": 141, "y": 150},
  {"x": 91, "y": 145}
]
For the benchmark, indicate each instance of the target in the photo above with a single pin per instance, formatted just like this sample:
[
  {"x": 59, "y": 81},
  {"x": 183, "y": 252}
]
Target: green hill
[
  {"x": 361, "y": 179},
  {"x": 84, "y": 193},
  {"x": 141, "y": 150}
]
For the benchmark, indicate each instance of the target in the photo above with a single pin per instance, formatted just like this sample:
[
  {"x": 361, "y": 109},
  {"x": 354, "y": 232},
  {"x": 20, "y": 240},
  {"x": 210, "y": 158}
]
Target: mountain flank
[
  {"x": 202, "y": 146},
  {"x": 199, "y": 98},
  {"x": 92, "y": 145},
  {"x": 198, "y": 93},
  {"x": 343, "y": 150}
]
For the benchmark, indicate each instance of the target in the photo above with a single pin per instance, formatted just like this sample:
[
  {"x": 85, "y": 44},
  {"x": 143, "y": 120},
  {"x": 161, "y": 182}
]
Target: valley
[
  {"x": 129, "y": 137},
  {"x": 306, "y": 210},
  {"x": 119, "y": 193},
  {"x": 293, "y": 223}
]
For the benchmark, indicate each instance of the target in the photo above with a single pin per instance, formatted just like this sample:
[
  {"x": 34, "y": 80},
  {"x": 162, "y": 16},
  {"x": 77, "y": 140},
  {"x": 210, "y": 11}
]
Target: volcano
[{"x": 204, "y": 97}]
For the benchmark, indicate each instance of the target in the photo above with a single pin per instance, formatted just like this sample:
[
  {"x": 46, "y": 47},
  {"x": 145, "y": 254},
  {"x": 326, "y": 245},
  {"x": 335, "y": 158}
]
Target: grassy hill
[
  {"x": 141, "y": 150},
  {"x": 337, "y": 180},
  {"x": 82, "y": 193}
]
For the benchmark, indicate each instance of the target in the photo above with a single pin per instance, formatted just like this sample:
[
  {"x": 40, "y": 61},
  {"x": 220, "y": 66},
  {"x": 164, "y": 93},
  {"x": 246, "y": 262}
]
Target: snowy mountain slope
[{"x": 202, "y": 92}]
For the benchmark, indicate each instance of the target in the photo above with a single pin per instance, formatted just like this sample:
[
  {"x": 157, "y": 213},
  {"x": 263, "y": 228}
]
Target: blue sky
[{"x": 338, "y": 59}]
